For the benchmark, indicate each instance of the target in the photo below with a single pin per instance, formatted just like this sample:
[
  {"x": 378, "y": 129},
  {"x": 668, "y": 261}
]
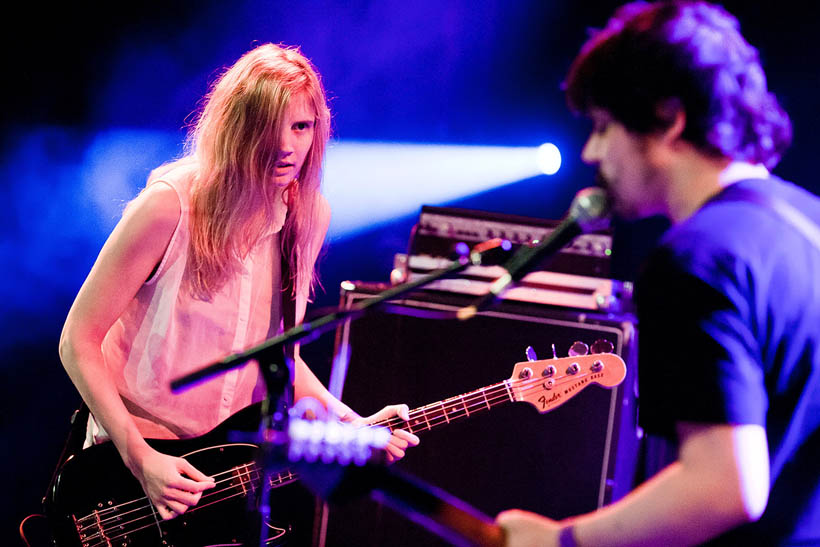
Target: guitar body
[{"x": 96, "y": 501}]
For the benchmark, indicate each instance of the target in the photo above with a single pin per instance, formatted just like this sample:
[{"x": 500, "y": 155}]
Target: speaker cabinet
[{"x": 574, "y": 459}]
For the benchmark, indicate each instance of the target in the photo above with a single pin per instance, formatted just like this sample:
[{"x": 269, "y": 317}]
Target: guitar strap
[
  {"x": 287, "y": 305},
  {"x": 73, "y": 444},
  {"x": 288, "y": 302}
]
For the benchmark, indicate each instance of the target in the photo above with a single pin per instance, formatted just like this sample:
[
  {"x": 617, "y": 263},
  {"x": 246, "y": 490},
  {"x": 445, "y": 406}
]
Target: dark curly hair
[{"x": 687, "y": 55}]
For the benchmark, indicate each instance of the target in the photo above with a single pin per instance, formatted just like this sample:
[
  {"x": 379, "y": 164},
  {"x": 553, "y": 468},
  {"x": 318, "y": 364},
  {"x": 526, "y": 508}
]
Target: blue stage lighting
[{"x": 368, "y": 183}]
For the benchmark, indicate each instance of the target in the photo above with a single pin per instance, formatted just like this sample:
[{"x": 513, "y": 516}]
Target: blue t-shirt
[{"x": 729, "y": 315}]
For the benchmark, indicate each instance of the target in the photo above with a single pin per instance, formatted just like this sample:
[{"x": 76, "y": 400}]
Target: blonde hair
[{"x": 235, "y": 142}]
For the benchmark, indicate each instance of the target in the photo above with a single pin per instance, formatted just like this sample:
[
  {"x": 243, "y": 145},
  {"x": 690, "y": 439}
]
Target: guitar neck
[
  {"x": 544, "y": 384},
  {"x": 461, "y": 406},
  {"x": 429, "y": 416}
]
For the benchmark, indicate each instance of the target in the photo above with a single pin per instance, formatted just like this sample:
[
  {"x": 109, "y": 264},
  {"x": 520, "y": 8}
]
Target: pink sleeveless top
[{"x": 165, "y": 332}]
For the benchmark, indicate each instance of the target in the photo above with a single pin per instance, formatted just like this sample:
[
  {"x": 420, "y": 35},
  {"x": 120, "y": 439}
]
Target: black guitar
[{"x": 96, "y": 501}]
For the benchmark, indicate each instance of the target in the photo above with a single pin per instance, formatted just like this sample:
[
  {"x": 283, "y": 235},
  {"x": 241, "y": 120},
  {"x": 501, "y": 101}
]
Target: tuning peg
[
  {"x": 578, "y": 348},
  {"x": 602, "y": 345},
  {"x": 554, "y": 353},
  {"x": 530, "y": 353}
]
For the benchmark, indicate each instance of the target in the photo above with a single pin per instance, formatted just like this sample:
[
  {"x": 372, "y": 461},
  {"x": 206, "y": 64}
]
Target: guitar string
[
  {"x": 116, "y": 530},
  {"x": 281, "y": 479},
  {"x": 249, "y": 470},
  {"x": 495, "y": 394},
  {"x": 454, "y": 407},
  {"x": 396, "y": 422},
  {"x": 253, "y": 477},
  {"x": 119, "y": 507},
  {"x": 115, "y": 524},
  {"x": 459, "y": 405},
  {"x": 240, "y": 489}
]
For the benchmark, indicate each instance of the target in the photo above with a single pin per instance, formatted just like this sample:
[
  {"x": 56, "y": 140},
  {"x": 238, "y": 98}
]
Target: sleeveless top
[{"x": 166, "y": 332}]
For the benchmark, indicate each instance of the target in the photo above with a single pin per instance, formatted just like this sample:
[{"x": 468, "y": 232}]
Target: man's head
[{"x": 653, "y": 61}]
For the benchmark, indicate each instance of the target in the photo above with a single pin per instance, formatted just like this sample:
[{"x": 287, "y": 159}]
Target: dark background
[{"x": 484, "y": 72}]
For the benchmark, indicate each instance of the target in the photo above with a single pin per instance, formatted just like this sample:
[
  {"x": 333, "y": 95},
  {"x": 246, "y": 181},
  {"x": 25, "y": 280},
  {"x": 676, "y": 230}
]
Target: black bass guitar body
[{"x": 97, "y": 502}]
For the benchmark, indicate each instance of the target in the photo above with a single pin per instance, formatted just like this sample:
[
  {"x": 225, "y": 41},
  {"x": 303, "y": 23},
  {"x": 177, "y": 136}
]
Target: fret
[
  {"x": 254, "y": 476},
  {"x": 480, "y": 401},
  {"x": 281, "y": 478},
  {"x": 484, "y": 393},
  {"x": 241, "y": 472},
  {"x": 453, "y": 408},
  {"x": 509, "y": 390},
  {"x": 429, "y": 427},
  {"x": 434, "y": 416},
  {"x": 426, "y": 417},
  {"x": 417, "y": 421}
]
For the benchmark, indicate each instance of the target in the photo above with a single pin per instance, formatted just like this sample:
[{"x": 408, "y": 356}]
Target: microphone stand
[
  {"x": 308, "y": 331},
  {"x": 275, "y": 366}
]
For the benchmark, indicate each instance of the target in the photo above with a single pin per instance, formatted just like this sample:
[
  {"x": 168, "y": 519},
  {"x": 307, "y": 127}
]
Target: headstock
[{"x": 549, "y": 383}]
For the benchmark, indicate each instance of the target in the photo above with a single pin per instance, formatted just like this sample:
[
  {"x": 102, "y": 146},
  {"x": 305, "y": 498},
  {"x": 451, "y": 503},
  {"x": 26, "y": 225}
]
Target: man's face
[
  {"x": 295, "y": 139},
  {"x": 625, "y": 165}
]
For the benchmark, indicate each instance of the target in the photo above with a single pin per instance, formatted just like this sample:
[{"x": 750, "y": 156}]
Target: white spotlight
[
  {"x": 548, "y": 158},
  {"x": 368, "y": 183}
]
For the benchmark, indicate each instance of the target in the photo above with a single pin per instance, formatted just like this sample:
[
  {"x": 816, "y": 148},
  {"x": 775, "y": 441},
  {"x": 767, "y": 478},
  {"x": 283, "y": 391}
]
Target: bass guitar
[{"x": 95, "y": 501}]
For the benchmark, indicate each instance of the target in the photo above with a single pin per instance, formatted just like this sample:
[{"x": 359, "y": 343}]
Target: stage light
[
  {"x": 117, "y": 162},
  {"x": 366, "y": 183},
  {"x": 369, "y": 183},
  {"x": 549, "y": 158}
]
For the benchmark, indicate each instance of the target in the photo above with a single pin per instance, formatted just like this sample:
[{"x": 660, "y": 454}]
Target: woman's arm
[{"x": 125, "y": 262}]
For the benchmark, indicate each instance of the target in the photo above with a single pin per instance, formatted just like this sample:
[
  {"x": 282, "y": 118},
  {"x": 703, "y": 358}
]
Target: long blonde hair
[{"x": 236, "y": 143}]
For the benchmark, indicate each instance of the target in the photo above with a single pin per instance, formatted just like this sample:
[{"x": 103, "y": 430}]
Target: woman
[{"x": 202, "y": 265}]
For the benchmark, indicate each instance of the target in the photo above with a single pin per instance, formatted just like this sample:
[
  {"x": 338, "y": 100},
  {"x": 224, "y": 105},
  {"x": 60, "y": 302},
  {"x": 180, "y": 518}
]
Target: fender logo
[{"x": 544, "y": 401}]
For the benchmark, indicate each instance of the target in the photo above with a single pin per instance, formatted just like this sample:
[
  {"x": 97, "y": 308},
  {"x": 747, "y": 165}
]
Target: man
[{"x": 728, "y": 305}]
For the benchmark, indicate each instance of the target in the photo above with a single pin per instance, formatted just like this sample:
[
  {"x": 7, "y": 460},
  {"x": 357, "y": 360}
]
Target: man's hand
[
  {"x": 171, "y": 484},
  {"x": 400, "y": 439},
  {"x": 525, "y": 529}
]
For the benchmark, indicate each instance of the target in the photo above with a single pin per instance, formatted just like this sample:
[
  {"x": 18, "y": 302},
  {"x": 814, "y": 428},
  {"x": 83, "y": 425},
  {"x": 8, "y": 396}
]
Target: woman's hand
[
  {"x": 172, "y": 484},
  {"x": 400, "y": 439}
]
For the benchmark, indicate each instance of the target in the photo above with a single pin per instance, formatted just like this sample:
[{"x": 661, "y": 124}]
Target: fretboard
[
  {"x": 429, "y": 416},
  {"x": 461, "y": 406}
]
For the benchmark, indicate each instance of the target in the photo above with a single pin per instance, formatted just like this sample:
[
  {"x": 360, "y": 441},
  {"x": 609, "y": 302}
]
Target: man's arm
[{"x": 721, "y": 480}]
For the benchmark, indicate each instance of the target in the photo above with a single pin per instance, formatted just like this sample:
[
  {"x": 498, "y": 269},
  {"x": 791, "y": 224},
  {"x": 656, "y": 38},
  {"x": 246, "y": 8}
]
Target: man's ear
[
  {"x": 665, "y": 143},
  {"x": 672, "y": 113}
]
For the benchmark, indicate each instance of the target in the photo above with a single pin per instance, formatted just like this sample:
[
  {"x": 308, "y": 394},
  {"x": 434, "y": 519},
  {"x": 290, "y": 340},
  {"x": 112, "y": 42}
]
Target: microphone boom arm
[{"x": 311, "y": 330}]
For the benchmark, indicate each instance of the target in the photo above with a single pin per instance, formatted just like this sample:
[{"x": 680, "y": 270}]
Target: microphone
[{"x": 588, "y": 212}]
